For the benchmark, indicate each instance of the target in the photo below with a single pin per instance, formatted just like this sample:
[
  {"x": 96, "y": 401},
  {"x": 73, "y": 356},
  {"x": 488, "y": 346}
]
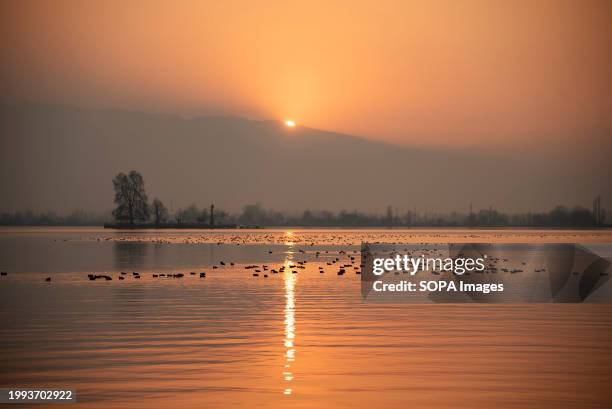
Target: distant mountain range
[{"x": 62, "y": 158}]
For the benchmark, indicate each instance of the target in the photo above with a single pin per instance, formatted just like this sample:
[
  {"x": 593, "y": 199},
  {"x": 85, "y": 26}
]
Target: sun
[{"x": 290, "y": 123}]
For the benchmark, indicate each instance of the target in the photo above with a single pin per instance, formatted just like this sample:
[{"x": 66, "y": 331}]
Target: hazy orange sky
[{"x": 441, "y": 73}]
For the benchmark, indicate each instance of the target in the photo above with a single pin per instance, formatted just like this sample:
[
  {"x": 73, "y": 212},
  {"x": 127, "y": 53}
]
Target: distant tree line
[
  {"x": 74, "y": 218},
  {"x": 257, "y": 215},
  {"x": 132, "y": 207},
  {"x": 560, "y": 216}
]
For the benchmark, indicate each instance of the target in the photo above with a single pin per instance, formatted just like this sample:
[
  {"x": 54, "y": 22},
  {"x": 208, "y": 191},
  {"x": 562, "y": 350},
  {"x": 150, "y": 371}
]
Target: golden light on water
[
  {"x": 289, "y": 332},
  {"x": 288, "y": 241},
  {"x": 290, "y": 123}
]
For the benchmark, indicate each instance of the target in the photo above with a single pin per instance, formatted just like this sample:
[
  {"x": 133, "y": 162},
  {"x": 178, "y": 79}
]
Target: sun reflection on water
[
  {"x": 288, "y": 239},
  {"x": 290, "y": 280}
]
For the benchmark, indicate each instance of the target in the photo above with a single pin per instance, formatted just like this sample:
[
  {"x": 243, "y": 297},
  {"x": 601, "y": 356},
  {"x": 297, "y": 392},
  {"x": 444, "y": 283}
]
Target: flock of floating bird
[
  {"x": 137, "y": 276},
  {"x": 346, "y": 263},
  {"x": 349, "y": 262},
  {"x": 353, "y": 238}
]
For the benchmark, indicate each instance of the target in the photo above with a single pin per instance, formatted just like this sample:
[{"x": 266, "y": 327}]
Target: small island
[{"x": 133, "y": 211}]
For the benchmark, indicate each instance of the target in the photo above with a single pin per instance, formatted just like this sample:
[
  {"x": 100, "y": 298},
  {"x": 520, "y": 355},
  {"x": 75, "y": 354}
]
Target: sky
[{"x": 452, "y": 74}]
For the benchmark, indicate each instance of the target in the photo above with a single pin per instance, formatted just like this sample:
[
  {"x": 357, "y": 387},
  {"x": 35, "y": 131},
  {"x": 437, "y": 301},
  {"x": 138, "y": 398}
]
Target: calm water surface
[{"x": 288, "y": 340}]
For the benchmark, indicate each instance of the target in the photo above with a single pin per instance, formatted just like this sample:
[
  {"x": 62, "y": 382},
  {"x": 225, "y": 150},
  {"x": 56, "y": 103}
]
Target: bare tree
[
  {"x": 160, "y": 212},
  {"x": 130, "y": 198}
]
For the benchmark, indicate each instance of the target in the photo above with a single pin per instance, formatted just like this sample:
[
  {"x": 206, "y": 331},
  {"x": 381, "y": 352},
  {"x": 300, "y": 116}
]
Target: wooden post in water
[{"x": 212, "y": 215}]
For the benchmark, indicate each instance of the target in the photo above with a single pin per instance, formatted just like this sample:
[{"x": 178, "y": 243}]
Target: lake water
[{"x": 287, "y": 340}]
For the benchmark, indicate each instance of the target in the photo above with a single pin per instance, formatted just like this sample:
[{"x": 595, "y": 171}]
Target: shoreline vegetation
[
  {"x": 256, "y": 216},
  {"x": 133, "y": 211}
]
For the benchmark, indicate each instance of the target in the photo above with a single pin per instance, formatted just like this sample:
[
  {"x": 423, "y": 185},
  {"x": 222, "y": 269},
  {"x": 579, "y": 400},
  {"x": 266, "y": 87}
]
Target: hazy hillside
[{"x": 59, "y": 158}]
